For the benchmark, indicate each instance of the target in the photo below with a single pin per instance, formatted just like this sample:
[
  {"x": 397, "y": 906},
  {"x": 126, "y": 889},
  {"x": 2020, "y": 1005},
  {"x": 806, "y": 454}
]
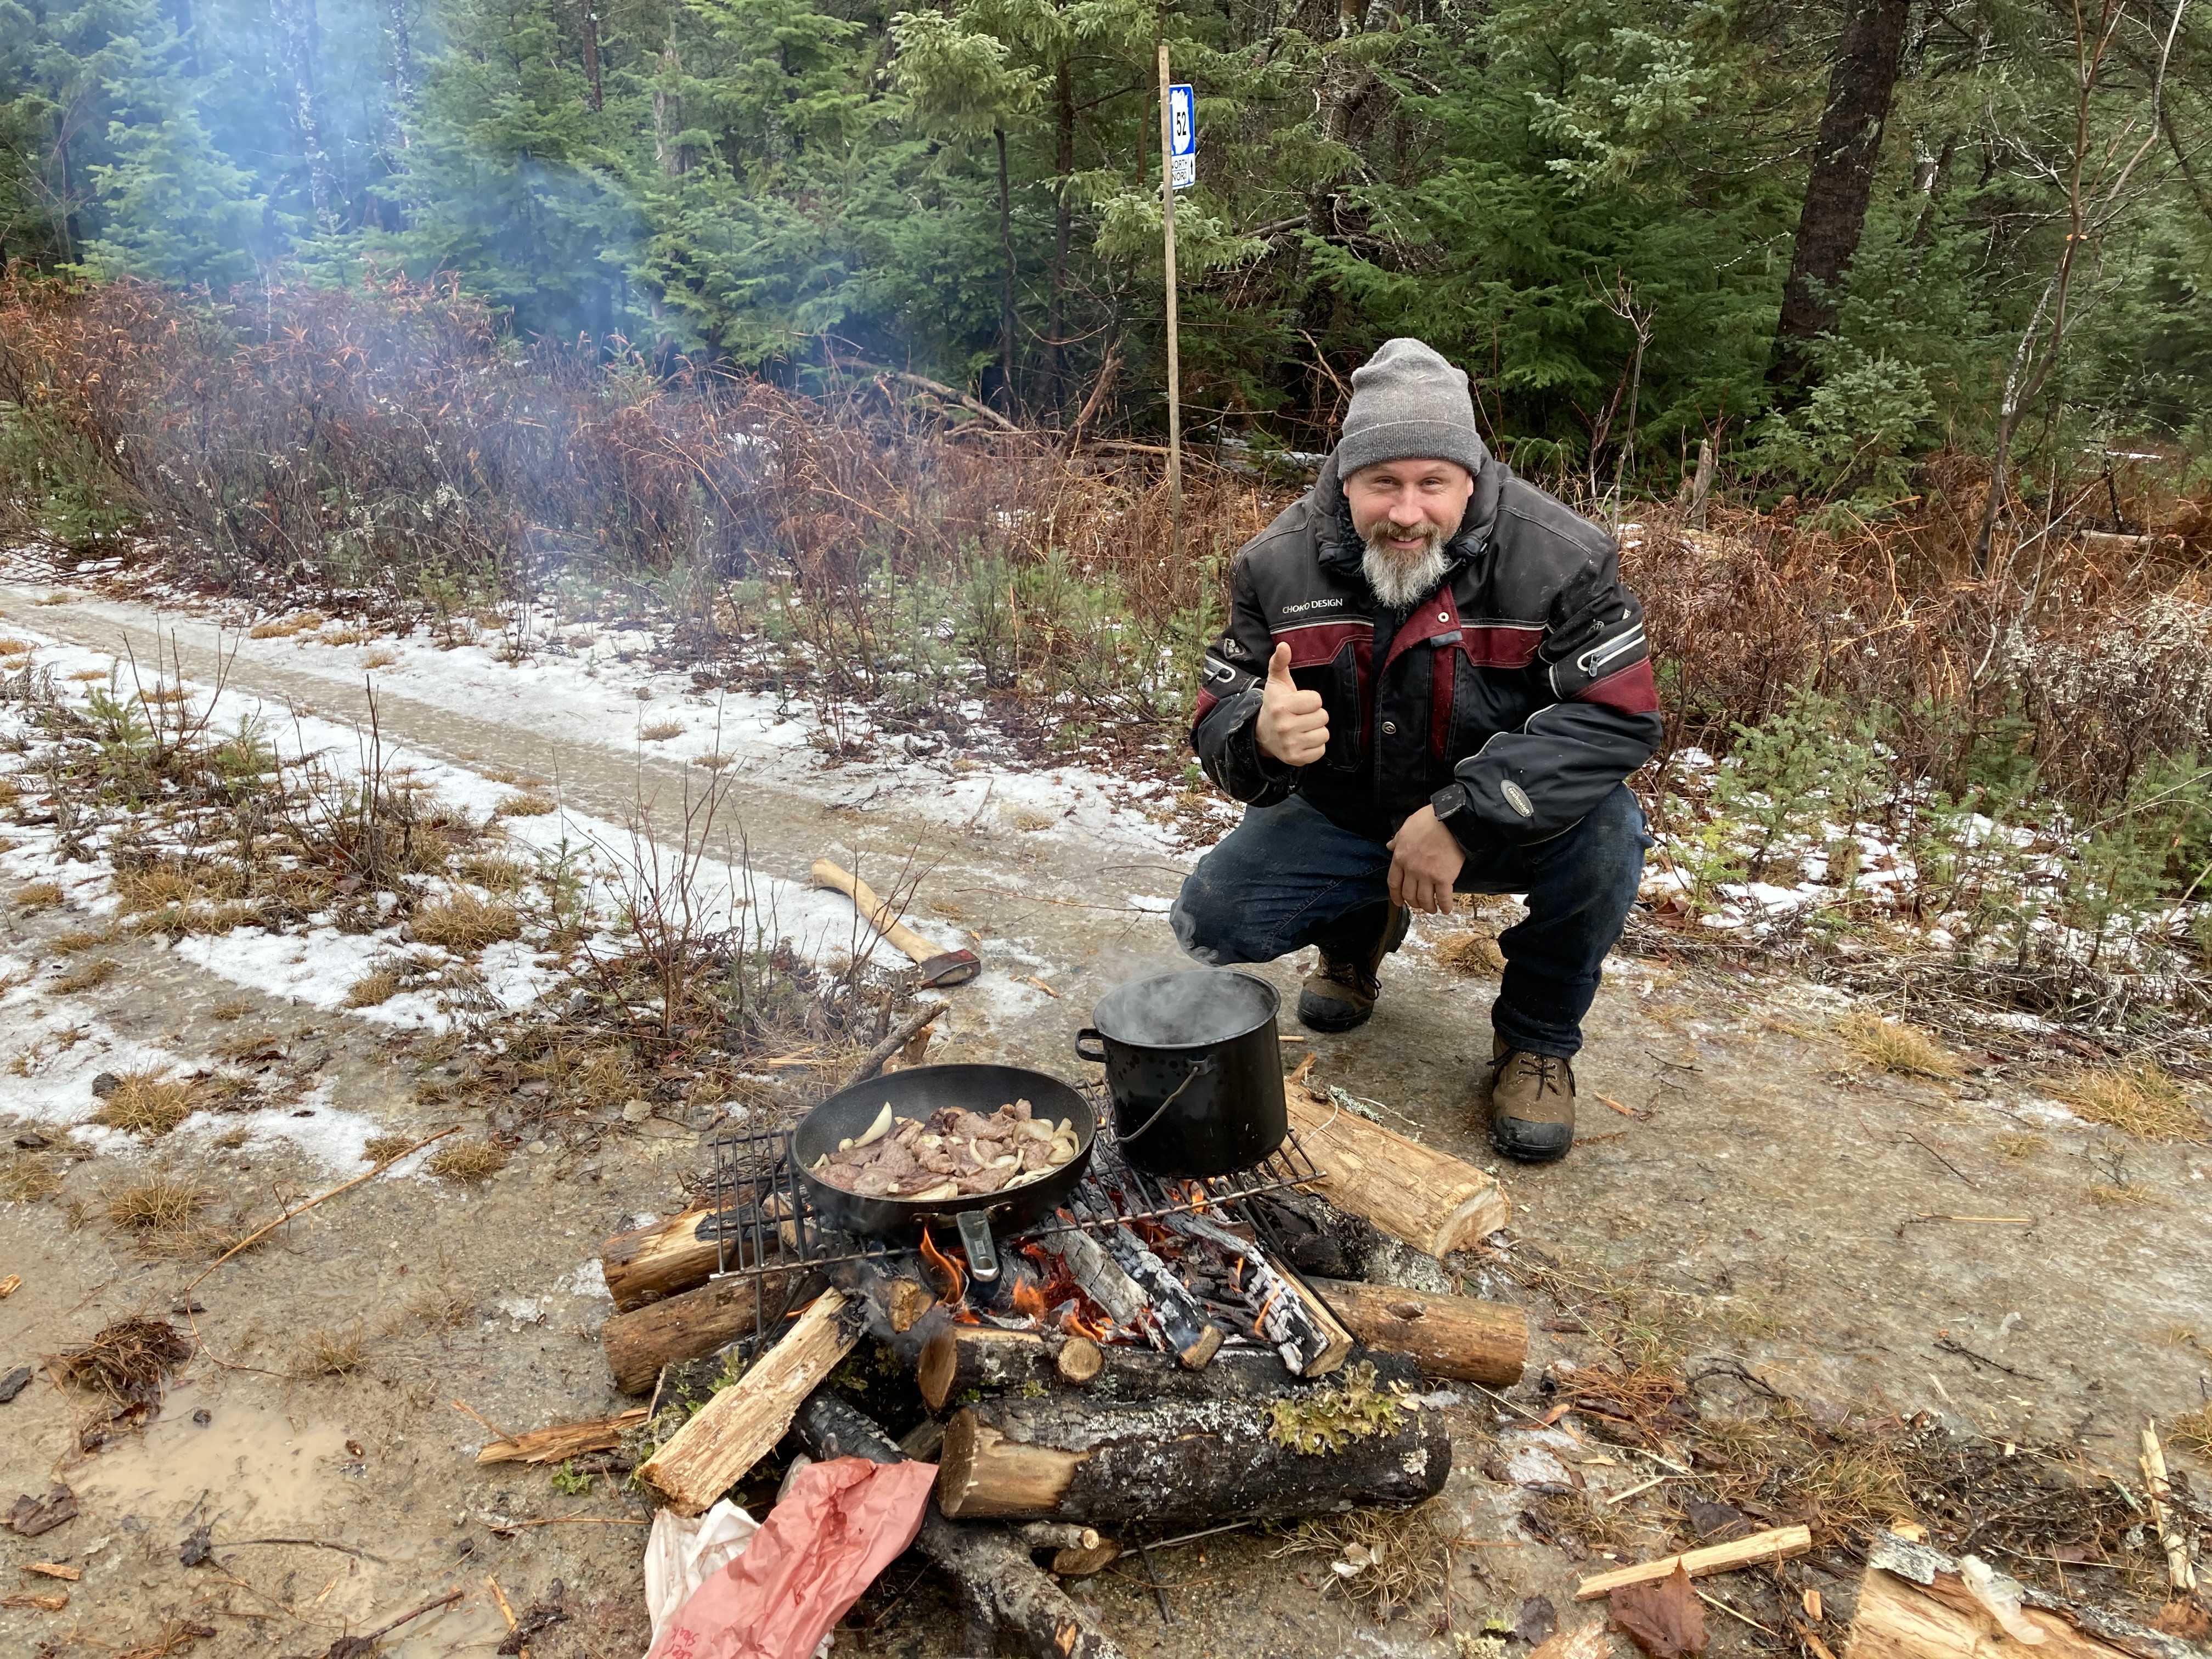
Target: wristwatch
[{"x": 1454, "y": 807}]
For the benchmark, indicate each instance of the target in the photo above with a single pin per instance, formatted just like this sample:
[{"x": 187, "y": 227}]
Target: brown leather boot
[
  {"x": 1532, "y": 1103},
  {"x": 1341, "y": 994}
]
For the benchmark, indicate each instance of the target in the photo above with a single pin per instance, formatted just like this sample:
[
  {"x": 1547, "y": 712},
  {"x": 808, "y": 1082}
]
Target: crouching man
[{"x": 1432, "y": 681}]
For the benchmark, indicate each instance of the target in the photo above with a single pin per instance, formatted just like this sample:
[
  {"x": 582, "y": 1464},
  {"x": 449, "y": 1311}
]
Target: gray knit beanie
[{"x": 1408, "y": 402}]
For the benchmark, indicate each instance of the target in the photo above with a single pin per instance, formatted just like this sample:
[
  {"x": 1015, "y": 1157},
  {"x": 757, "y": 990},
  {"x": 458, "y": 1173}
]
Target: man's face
[{"x": 1404, "y": 507}]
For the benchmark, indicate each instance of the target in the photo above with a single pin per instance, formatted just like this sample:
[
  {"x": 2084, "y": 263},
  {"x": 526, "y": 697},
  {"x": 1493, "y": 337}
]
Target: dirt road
[{"x": 1806, "y": 1224}]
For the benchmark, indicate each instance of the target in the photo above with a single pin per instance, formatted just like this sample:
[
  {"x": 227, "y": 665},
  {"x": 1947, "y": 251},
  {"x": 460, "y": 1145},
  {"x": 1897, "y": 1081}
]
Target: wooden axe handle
[{"x": 878, "y": 913}]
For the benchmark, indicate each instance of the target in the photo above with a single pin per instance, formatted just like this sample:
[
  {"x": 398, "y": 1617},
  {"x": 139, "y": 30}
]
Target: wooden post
[{"x": 1175, "y": 359}]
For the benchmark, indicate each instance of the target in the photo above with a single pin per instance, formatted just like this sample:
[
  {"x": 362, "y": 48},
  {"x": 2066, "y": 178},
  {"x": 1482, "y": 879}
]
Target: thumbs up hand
[{"x": 1293, "y": 727}]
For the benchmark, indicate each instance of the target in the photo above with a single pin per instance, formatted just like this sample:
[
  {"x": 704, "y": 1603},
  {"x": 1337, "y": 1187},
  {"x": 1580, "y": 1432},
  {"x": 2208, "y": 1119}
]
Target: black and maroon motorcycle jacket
[{"x": 1524, "y": 679}]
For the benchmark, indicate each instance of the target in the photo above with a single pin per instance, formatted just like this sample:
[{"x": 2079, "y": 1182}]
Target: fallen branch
[
  {"x": 260, "y": 1233},
  {"x": 362, "y": 1647},
  {"x": 562, "y": 1440},
  {"x": 905, "y": 1032}
]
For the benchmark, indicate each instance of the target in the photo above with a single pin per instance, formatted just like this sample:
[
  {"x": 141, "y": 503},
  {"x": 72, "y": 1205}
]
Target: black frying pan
[{"x": 917, "y": 1092}]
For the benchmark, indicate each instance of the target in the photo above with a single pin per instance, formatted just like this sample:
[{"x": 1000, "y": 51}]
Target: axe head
[{"x": 953, "y": 967}]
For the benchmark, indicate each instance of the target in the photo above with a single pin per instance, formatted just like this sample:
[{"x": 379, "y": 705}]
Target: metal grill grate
[{"x": 762, "y": 1223}]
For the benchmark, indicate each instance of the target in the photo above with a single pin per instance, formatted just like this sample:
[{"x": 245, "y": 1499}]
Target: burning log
[
  {"x": 1455, "y": 1336},
  {"x": 1176, "y": 1461},
  {"x": 1170, "y": 1315},
  {"x": 653, "y": 1262},
  {"x": 691, "y": 1325},
  {"x": 738, "y": 1426},
  {"x": 1303, "y": 1331},
  {"x": 1432, "y": 1200},
  {"x": 960, "y": 1358},
  {"x": 1101, "y": 1277},
  {"x": 1003, "y": 1589}
]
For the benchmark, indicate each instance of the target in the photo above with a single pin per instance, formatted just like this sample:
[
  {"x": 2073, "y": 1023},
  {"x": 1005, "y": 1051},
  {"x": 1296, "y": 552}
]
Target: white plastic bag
[{"x": 681, "y": 1555}]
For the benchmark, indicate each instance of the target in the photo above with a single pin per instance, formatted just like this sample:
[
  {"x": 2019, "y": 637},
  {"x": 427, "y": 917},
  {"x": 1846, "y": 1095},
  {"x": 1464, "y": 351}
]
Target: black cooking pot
[{"x": 1194, "y": 1070}]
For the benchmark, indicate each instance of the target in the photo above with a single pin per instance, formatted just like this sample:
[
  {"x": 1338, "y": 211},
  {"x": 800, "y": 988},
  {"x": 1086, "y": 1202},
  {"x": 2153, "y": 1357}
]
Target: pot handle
[
  {"x": 982, "y": 1251},
  {"x": 1082, "y": 1053},
  {"x": 1173, "y": 1095}
]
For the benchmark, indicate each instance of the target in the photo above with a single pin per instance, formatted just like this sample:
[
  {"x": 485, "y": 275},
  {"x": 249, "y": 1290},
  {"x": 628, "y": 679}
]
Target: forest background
[{"x": 835, "y": 335}]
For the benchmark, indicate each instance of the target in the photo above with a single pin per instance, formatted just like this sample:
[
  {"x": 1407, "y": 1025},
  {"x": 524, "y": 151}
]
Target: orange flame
[
  {"x": 948, "y": 1271},
  {"x": 1029, "y": 1301}
]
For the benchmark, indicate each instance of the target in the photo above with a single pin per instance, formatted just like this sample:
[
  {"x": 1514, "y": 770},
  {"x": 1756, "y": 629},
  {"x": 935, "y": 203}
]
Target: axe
[{"x": 938, "y": 967}]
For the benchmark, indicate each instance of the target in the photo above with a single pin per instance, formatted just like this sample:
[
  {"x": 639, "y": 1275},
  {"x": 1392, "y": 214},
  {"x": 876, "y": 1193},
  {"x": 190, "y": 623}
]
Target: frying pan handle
[
  {"x": 982, "y": 1252},
  {"x": 1082, "y": 1053}
]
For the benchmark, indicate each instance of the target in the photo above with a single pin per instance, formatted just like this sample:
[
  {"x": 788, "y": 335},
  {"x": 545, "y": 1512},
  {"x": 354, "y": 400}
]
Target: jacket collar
[{"x": 1340, "y": 548}]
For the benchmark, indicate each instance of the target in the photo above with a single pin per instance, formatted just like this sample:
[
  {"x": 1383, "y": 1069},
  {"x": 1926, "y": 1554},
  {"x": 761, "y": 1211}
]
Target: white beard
[{"x": 1402, "y": 581}]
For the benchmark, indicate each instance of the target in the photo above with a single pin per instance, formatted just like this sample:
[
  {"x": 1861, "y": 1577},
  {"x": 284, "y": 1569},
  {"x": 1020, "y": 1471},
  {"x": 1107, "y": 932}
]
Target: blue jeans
[{"x": 1287, "y": 877}]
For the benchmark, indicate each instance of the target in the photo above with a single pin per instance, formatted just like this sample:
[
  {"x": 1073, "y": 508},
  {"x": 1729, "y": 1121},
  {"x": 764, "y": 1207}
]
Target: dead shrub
[
  {"x": 91, "y": 975},
  {"x": 159, "y": 1205},
  {"x": 144, "y": 1103},
  {"x": 465, "y": 923},
  {"x": 472, "y": 1162},
  {"x": 39, "y": 895},
  {"x": 2141, "y": 1100},
  {"x": 1905, "y": 1050}
]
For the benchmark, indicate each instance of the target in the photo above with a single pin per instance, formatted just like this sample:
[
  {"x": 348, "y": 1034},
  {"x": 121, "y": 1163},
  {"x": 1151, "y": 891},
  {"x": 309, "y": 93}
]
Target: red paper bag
[{"x": 838, "y": 1526}]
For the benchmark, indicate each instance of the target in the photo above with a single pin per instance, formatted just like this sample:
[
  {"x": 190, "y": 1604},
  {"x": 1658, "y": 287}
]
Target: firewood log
[
  {"x": 690, "y": 1325},
  {"x": 999, "y": 1585},
  {"x": 1430, "y": 1199},
  {"x": 960, "y": 1358},
  {"x": 1072, "y": 1457},
  {"x": 1455, "y": 1336},
  {"x": 738, "y": 1426},
  {"x": 651, "y": 1262}
]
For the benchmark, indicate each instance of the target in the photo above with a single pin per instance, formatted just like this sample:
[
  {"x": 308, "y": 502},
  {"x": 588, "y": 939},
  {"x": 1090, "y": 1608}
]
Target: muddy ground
[{"x": 1764, "y": 1199}]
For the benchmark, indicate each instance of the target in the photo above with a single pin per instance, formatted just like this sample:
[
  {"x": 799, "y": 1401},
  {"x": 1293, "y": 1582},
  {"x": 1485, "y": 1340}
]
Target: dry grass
[
  {"x": 603, "y": 1082},
  {"x": 144, "y": 1103},
  {"x": 326, "y": 1352},
  {"x": 86, "y": 676},
  {"x": 661, "y": 730},
  {"x": 496, "y": 872},
  {"x": 2117, "y": 1195},
  {"x": 380, "y": 659},
  {"x": 2140, "y": 1100},
  {"x": 128, "y": 1360},
  {"x": 157, "y": 887},
  {"x": 91, "y": 974},
  {"x": 2021, "y": 1143},
  {"x": 10, "y": 791},
  {"x": 162, "y": 695},
  {"x": 159, "y": 1205},
  {"x": 39, "y": 895},
  {"x": 1471, "y": 953},
  {"x": 25, "y": 1179},
  {"x": 345, "y": 635},
  {"x": 1387, "y": 1559},
  {"x": 713, "y": 762},
  {"x": 464, "y": 923},
  {"x": 527, "y": 806},
  {"x": 82, "y": 938},
  {"x": 225, "y": 1012},
  {"x": 2192, "y": 1432},
  {"x": 12, "y": 646},
  {"x": 287, "y": 627},
  {"x": 1905, "y": 1050},
  {"x": 472, "y": 1162},
  {"x": 441, "y": 1309},
  {"x": 372, "y": 988},
  {"x": 382, "y": 1149}
]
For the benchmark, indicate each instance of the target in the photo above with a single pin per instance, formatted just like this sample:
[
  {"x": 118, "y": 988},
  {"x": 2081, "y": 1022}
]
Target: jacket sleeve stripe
[{"x": 1630, "y": 689}]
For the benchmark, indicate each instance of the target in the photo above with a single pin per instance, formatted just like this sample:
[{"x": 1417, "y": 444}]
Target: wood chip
[
  {"x": 9, "y": 1285},
  {"x": 1777, "y": 1544},
  {"x": 60, "y": 1569},
  {"x": 35, "y": 1604}
]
